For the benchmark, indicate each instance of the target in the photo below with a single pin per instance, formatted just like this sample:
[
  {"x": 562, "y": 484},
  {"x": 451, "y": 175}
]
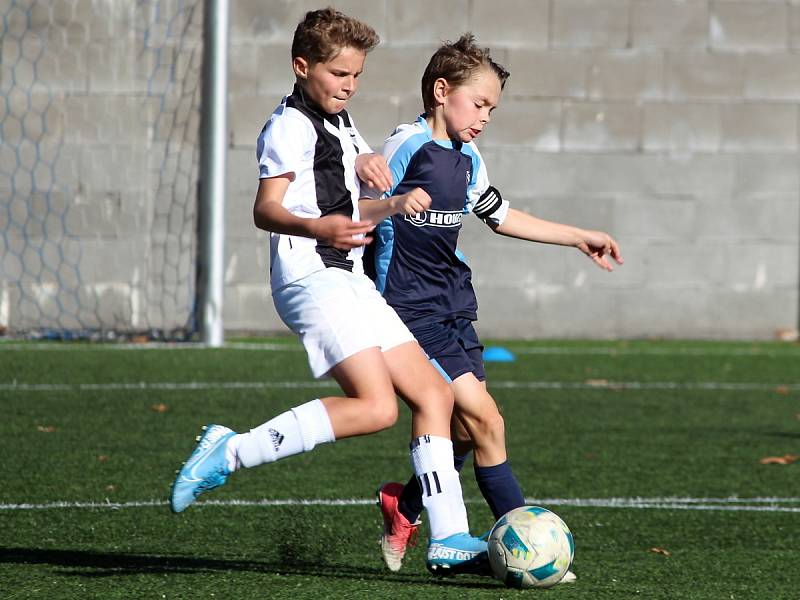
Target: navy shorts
[{"x": 452, "y": 347}]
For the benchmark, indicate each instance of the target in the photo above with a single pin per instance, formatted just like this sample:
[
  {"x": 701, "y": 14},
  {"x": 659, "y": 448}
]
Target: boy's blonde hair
[
  {"x": 322, "y": 34},
  {"x": 457, "y": 62}
]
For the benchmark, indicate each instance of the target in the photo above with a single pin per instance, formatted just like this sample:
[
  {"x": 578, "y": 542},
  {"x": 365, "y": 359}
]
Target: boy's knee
[
  {"x": 382, "y": 412},
  {"x": 441, "y": 394},
  {"x": 495, "y": 422},
  {"x": 489, "y": 426}
]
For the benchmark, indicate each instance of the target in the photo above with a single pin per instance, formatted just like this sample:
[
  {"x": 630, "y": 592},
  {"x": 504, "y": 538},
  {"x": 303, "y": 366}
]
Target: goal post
[
  {"x": 213, "y": 162},
  {"x": 104, "y": 135}
]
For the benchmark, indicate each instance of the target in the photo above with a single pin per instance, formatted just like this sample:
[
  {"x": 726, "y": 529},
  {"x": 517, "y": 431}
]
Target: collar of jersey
[{"x": 449, "y": 144}]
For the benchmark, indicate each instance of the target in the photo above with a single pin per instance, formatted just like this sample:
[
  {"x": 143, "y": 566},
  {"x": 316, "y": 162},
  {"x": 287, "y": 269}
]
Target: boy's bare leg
[
  {"x": 422, "y": 388},
  {"x": 370, "y": 404},
  {"x": 221, "y": 451},
  {"x": 479, "y": 416},
  {"x": 476, "y": 411},
  {"x": 462, "y": 443},
  {"x": 476, "y": 424},
  {"x": 430, "y": 399}
]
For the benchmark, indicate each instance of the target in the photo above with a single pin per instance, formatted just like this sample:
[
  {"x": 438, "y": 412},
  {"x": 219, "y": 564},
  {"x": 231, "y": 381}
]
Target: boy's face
[
  {"x": 467, "y": 109},
  {"x": 331, "y": 84}
]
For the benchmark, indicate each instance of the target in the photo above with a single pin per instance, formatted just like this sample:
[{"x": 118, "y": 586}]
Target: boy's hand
[
  {"x": 597, "y": 245},
  {"x": 411, "y": 203},
  {"x": 373, "y": 170},
  {"x": 340, "y": 231}
]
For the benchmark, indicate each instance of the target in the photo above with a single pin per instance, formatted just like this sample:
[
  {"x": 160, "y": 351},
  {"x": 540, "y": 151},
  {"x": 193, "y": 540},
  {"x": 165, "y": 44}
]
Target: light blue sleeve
[{"x": 398, "y": 151}]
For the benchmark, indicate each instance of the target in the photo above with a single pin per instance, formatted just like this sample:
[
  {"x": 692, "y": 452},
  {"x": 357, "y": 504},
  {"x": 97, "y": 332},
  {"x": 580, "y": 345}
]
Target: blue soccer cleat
[
  {"x": 206, "y": 469},
  {"x": 458, "y": 553}
]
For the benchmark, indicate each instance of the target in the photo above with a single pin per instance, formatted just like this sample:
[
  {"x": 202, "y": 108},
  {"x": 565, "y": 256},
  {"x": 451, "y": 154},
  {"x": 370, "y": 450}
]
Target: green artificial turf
[{"x": 91, "y": 436}]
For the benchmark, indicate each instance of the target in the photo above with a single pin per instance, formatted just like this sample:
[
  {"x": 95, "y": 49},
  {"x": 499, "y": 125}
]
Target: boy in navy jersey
[
  {"x": 420, "y": 272},
  {"x": 311, "y": 158}
]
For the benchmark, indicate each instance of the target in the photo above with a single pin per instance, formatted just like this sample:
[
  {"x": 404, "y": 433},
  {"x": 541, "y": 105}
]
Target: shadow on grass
[
  {"x": 784, "y": 434},
  {"x": 83, "y": 563}
]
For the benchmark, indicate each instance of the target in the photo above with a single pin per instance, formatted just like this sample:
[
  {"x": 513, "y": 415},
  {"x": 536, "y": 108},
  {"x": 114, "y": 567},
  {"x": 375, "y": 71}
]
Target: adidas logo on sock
[{"x": 277, "y": 438}]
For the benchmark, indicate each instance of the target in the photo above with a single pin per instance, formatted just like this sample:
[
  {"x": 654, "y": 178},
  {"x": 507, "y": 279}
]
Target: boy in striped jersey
[
  {"x": 311, "y": 158},
  {"x": 422, "y": 275}
]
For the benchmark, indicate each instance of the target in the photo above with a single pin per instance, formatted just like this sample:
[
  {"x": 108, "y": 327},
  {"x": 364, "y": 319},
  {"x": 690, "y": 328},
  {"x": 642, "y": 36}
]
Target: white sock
[
  {"x": 432, "y": 460},
  {"x": 295, "y": 431}
]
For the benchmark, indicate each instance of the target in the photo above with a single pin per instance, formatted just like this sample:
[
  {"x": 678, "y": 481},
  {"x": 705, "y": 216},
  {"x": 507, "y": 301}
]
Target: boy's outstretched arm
[
  {"x": 597, "y": 245},
  {"x": 269, "y": 214}
]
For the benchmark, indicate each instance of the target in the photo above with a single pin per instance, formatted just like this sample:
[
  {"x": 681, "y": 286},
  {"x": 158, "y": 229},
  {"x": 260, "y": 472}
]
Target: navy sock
[
  {"x": 499, "y": 488},
  {"x": 410, "y": 502}
]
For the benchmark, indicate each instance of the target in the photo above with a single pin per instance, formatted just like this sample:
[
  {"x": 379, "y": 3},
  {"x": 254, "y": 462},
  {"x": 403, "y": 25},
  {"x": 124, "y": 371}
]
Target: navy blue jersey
[{"x": 417, "y": 265}]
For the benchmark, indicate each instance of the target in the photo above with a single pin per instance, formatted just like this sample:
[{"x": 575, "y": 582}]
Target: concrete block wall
[{"x": 672, "y": 124}]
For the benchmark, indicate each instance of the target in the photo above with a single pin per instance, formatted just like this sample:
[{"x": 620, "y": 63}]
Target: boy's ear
[
  {"x": 440, "y": 89},
  {"x": 300, "y": 67}
]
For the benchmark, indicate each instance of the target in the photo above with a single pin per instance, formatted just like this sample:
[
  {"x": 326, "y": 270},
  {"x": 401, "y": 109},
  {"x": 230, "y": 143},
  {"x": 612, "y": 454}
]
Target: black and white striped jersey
[{"x": 319, "y": 151}]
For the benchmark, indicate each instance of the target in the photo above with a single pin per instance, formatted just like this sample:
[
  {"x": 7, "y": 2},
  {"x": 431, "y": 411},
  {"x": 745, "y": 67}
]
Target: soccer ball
[{"x": 530, "y": 547}]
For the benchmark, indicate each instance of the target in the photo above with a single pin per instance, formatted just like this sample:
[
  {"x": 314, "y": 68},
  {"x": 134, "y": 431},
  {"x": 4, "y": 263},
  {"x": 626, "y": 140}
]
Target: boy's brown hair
[
  {"x": 322, "y": 34},
  {"x": 457, "y": 62}
]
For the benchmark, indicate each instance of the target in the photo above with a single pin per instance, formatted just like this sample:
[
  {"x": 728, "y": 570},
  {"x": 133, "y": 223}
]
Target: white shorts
[{"x": 337, "y": 314}]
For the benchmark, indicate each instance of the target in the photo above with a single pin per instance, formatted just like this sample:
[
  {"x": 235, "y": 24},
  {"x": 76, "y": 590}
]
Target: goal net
[{"x": 99, "y": 126}]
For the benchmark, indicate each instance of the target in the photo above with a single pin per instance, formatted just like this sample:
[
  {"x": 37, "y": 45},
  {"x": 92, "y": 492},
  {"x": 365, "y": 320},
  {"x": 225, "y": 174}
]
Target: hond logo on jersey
[{"x": 436, "y": 218}]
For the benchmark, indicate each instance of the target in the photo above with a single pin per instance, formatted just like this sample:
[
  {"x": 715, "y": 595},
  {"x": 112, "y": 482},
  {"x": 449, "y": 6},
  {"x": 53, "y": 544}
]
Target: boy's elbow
[
  {"x": 494, "y": 226},
  {"x": 260, "y": 220}
]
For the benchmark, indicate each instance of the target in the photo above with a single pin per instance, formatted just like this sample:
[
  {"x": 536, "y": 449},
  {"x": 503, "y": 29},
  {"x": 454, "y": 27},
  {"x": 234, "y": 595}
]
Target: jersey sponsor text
[{"x": 436, "y": 218}]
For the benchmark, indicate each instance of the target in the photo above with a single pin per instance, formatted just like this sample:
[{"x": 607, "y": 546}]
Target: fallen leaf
[
  {"x": 787, "y": 334},
  {"x": 786, "y": 459},
  {"x": 597, "y": 382},
  {"x": 797, "y": 416},
  {"x": 782, "y": 389},
  {"x": 159, "y": 408},
  {"x": 103, "y": 458},
  {"x": 111, "y": 488},
  {"x": 45, "y": 428},
  {"x": 662, "y": 551}
]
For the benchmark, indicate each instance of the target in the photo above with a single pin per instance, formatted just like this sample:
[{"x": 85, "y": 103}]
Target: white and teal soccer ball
[{"x": 530, "y": 547}]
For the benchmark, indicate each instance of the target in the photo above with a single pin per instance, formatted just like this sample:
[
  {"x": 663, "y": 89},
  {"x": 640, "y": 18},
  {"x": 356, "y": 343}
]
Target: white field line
[
  {"x": 164, "y": 386},
  {"x": 663, "y": 503},
  {"x": 646, "y": 385},
  {"x": 80, "y": 346},
  {"x": 785, "y": 351},
  {"x": 592, "y": 384},
  {"x": 653, "y": 351}
]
